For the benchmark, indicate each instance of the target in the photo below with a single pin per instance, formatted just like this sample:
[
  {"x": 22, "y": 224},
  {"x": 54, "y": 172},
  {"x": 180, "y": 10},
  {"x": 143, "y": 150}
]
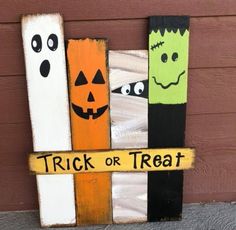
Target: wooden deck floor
[{"x": 215, "y": 216}]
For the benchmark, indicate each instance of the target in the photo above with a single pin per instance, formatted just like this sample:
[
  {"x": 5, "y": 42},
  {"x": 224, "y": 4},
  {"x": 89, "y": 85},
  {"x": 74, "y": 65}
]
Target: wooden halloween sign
[
  {"x": 128, "y": 81},
  {"x": 168, "y": 72},
  {"x": 120, "y": 160},
  {"x": 141, "y": 178},
  {"x": 49, "y": 111},
  {"x": 90, "y": 123}
]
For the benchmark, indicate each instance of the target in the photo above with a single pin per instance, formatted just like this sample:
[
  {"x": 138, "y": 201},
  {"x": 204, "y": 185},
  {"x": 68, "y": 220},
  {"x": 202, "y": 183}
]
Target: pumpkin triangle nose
[{"x": 90, "y": 97}]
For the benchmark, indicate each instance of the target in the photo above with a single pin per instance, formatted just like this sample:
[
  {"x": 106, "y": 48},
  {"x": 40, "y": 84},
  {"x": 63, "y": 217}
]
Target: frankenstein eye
[
  {"x": 164, "y": 57},
  {"x": 175, "y": 56},
  {"x": 125, "y": 89},
  {"x": 36, "y": 43},
  {"x": 81, "y": 79},
  {"x": 52, "y": 42},
  {"x": 98, "y": 78},
  {"x": 138, "y": 88}
]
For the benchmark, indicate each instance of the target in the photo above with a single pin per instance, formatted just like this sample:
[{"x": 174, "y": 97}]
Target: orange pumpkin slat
[{"x": 90, "y": 124}]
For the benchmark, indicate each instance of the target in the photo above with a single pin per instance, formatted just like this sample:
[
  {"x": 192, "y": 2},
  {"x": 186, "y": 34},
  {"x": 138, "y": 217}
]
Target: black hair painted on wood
[{"x": 168, "y": 23}]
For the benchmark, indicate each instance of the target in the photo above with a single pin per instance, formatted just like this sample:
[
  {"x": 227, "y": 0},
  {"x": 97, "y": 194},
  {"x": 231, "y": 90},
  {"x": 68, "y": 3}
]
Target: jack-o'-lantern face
[
  {"x": 88, "y": 78},
  {"x": 88, "y": 101}
]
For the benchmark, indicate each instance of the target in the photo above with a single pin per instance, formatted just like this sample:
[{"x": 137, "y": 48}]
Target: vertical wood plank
[
  {"x": 90, "y": 122},
  {"x": 128, "y": 82},
  {"x": 44, "y": 51},
  {"x": 168, "y": 66}
]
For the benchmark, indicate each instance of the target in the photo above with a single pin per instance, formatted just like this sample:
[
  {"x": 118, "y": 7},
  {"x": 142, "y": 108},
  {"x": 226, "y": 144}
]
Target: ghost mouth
[
  {"x": 170, "y": 84},
  {"x": 44, "y": 68},
  {"x": 90, "y": 111}
]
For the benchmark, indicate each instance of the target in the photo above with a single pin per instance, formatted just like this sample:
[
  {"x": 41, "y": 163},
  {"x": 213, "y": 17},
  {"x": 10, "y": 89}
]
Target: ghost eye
[
  {"x": 125, "y": 89},
  {"x": 175, "y": 56},
  {"x": 138, "y": 88},
  {"x": 36, "y": 43},
  {"x": 164, "y": 57},
  {"x": 98, "y": 78},
  {"x": 52, "y": 42},
  {"x": 81, "y": 79}
]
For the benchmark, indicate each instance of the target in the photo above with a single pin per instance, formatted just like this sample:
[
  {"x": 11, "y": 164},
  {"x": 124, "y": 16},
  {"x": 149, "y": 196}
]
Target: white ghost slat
[
  {"x": 44, "y": 51},
  {"x": 128, "y": 130}
]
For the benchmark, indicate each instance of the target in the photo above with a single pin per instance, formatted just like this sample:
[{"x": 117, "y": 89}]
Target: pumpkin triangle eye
[
  {"x": 81, "y": 79},
  {"x": 98, "y": 79}
]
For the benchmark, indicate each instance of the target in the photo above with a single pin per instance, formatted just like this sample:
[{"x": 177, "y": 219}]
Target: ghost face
[
  {"x": 52, "y": 44},
  {"x": 43, "y": 44},
  {"x": 44, "y": 51}
]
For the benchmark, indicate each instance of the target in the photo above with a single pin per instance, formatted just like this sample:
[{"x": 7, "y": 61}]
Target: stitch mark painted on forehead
[{"x": 157, "y": 45}]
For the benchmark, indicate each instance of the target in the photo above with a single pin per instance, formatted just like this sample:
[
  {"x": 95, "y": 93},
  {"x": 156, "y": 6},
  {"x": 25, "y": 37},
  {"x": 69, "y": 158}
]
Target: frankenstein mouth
[
  {"x": 90, "y": 112},
  {"x": 170, "y": 84}
]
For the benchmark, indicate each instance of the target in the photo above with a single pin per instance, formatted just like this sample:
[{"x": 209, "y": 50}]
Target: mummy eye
[
  {"x": 52, "y": 42},
  {"x": 138, "y": 88},
  {"x": 36, "y": 43},
  {"x": 125, "y": 89}
]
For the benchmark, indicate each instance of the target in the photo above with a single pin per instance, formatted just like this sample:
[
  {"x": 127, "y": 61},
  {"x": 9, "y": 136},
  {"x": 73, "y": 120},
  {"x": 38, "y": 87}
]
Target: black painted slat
[
  {"x": 166, "y": 123},
  {"x": 166, "y": 128}
]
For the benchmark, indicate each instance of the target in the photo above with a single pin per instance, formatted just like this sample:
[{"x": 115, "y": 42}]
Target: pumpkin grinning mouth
[{"x": 90, "y": 112}]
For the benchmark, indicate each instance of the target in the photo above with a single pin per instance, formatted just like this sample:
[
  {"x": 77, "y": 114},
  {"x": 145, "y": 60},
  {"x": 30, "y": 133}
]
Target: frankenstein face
[{"x": 168, "y": 66}]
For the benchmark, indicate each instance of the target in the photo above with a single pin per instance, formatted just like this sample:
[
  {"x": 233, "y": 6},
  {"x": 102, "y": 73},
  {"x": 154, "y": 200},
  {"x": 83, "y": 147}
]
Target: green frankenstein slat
[{"x": 168, "y": 72}]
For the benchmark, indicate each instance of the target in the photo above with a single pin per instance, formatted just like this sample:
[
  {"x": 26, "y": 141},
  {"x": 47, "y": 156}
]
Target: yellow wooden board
[{"x": 112, "y": 160}]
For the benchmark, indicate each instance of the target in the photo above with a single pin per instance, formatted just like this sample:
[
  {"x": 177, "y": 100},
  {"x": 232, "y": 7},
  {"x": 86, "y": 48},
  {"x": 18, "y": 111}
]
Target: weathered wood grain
[
  {"x": 217, "y": 216},
  {"x": 116, "y": 160},
  {"x": 43, "y": 42},
  {"x": 90, "y": 124},
  {"x": 14, "y": 91},
  {"x": 167, "y": 99},
  {"x": 128, "y": 112},
  {"x": 213, "y": 135},
  {"x": 128, "y": 129},
  {"x": 16, "y": 178},
  {"x": 210, "y": 91},
  {"x": 209, "y": 133},
  {"x": 115, "y": 9},
  {"x": 209, "y": 44},
  {"x": 202, "y": 179}
]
